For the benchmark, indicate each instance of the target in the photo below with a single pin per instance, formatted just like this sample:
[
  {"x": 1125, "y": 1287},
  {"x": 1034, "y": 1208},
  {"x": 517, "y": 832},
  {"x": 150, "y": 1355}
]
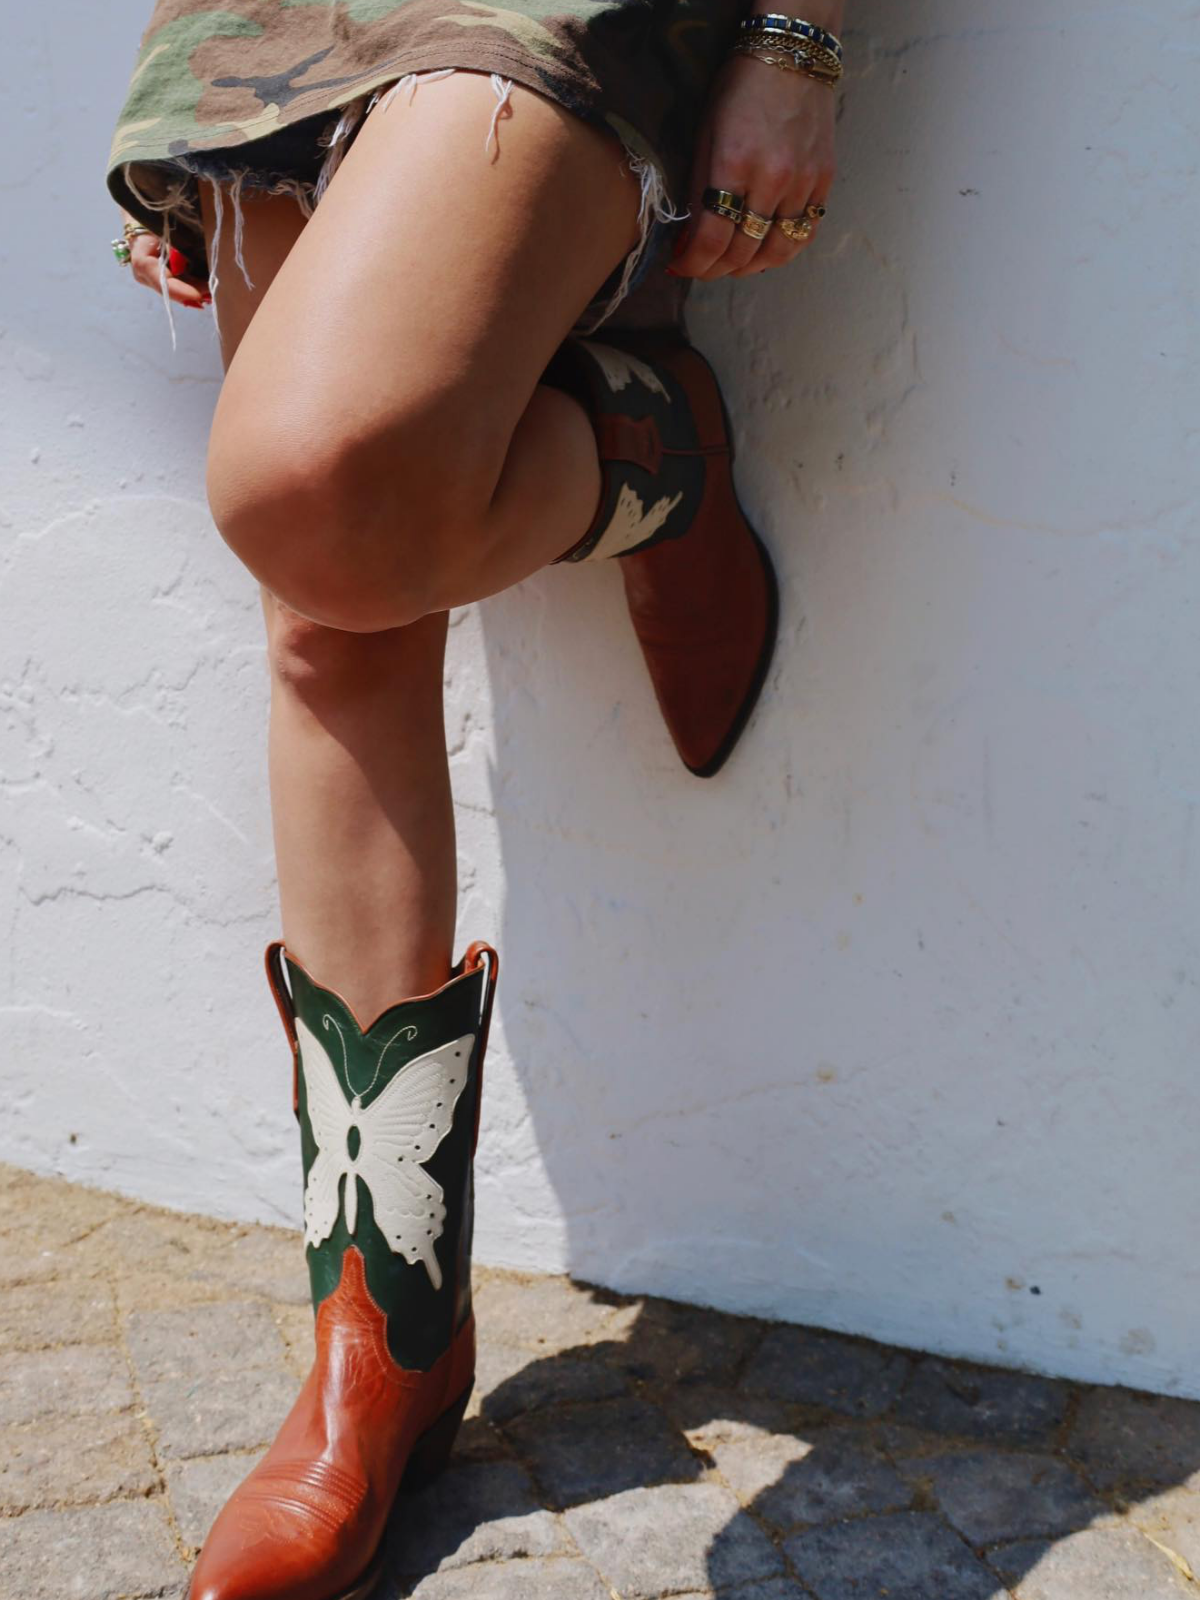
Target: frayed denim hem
[{"x": 178, "y": 200}]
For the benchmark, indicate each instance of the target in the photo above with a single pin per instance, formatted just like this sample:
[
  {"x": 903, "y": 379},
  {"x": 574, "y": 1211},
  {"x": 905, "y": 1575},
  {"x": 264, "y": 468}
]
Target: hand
[
  {"x": 145, "y": 262},
  {"x": 768, "y": 136}
]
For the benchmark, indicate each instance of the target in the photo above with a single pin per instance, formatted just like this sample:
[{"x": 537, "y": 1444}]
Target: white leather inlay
[{"x": 397, "y": 1133}]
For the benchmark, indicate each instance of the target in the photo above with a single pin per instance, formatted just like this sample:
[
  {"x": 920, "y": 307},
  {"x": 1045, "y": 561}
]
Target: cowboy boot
[
  {"x": 389, "y": 1116},
  {"x": 701, "y": 588}
]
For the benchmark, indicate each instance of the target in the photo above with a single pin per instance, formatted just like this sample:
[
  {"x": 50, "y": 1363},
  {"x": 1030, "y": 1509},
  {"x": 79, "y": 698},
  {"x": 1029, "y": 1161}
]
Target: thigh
[
  {"x": 438, "y": 271},
  {"x": 271, "y": 224}
]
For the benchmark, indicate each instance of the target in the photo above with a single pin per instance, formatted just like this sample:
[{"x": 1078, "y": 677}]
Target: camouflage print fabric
[{"x": 259, "y": 80}]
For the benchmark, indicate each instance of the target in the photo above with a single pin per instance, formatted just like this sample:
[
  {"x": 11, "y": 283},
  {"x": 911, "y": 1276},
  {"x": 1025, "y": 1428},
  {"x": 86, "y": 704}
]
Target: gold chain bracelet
[
  {"x": 789, "y": 61},
  {"x": 817, "y": 57}
]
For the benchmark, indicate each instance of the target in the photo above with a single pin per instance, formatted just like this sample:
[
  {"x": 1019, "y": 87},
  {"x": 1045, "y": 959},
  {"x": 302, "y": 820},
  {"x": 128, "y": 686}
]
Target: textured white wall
[{"x": 893, "y": 1027}]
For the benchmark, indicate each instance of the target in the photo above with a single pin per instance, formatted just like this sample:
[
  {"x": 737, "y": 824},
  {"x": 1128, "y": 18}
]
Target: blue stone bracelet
[{"x": 805, "y": 30}]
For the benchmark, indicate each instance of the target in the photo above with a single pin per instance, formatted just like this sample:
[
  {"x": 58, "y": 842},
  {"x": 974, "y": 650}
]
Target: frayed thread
[
  {"x": 337, "y": 141},
  {"x": 503, "y": 88},
  {"x": 411, "y": 81},
  {"x": 214, "y": 249},
  {"x": 239, "y": 228},
  {"x": 654, "y": 207}
]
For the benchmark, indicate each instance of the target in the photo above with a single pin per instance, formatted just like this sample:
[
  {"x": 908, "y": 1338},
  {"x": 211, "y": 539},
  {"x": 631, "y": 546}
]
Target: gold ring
[
  {"x": 799, "y": 229},
  {"x": 755, "y": 226},
  {"x": 814, "y": 210},
  {"x": 724, "y": 203}
]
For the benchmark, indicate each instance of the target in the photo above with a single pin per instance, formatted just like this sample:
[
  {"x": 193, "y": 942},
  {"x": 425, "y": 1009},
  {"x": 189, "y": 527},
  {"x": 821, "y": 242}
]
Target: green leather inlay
[
  {"x": 682, "y": 470},
  {"x": 421, "y": 1318}
]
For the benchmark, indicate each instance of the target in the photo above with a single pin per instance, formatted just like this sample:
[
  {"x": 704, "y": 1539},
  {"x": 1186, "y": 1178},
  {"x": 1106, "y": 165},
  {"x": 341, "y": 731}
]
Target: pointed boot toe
[{"x": 706, "y": 614}]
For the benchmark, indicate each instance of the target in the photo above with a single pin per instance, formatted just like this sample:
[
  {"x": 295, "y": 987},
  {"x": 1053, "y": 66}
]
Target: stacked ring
[
  {"x": 724, "y": 204},
  {"x": 797, "y": 228},
  {"x": 755, "y": 226}
]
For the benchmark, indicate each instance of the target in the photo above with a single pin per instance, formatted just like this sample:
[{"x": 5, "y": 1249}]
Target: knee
[
  {"x": 361, "y": 531},
  {"x": 330, "y": 670}
]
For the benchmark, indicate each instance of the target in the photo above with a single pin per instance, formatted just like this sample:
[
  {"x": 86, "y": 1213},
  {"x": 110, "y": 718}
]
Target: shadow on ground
[
  {"x": 673, "y": 1451},
  {"x": 616, "y": 1447}
]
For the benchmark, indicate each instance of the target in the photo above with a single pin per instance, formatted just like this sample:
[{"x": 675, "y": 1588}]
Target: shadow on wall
[
  {"x": 659, "y": 1000},
  {"x": 859, "y": 1469}
]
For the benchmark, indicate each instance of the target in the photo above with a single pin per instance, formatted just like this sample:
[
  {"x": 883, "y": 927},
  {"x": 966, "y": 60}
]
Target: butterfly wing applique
[
  {"x": 330, "y": 1118},
  {"x": 400, "y": 1130}
]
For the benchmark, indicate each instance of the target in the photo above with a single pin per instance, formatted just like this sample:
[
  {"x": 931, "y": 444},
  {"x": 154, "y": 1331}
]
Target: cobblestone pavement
[{"x": 616, "y": 1447}]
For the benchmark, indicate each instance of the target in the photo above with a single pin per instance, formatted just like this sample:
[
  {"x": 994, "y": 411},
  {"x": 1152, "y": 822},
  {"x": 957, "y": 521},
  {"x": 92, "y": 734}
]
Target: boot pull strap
[
  {"x": 478, "y": 955},
  {"x": 287, "y": 1011}
]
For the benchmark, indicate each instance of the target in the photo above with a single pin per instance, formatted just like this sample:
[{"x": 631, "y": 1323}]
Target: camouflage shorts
[{"x": 263, "y": 91}]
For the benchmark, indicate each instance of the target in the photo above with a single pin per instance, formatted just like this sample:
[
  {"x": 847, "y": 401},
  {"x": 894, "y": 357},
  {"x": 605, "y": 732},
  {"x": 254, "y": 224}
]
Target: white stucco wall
[{"x": 891, "y": 1028}]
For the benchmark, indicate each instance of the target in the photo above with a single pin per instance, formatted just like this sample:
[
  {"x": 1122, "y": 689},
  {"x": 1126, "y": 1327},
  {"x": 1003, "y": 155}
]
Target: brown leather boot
[
  {"x": 701, "y": 588},
  {"x": 388, "y": 1120}
]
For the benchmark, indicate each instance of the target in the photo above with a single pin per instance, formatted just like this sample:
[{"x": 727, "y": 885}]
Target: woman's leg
[
  {"x": 382, "y": 448},
  {"x": 360, "y": 792}
]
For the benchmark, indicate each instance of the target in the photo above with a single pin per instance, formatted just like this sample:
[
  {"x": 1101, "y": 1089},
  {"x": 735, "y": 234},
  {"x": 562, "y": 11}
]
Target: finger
[
  {"x": 147, "y": 266},
  {"x": 704, "y": 245},
  {"x": 780, "y": 248},
  {"x": 743, "y": 248},
  {"x": 705, "y": 235}
]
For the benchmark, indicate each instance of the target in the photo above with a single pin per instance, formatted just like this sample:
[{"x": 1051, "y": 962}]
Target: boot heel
[{"x": 431, "y": 1453}]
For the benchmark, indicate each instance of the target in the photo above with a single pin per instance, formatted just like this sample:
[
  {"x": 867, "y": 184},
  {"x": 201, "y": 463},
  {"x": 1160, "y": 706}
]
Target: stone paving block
[
  {"x": 908, "y": 1555},
  {"x": 260, "y": 1261},
  {"x": 1172, "y": 1520},
  {"x": 548, "y": 1314},
  {"x": 672, "y": 1343},
  {"x": 582, "y": 1452},
  {"x": 769, "y": 1589},
  {"x": 111, "y": 1552},
  {"x": 485, "y": 1511},
  {"x": 509, "y": 1382},
  {"x": 825, "y": 1369},
  {"x": 212, "y": 1416},
  {"x": 164, "y": 1260},
  {"x": 206, "y": 1341},
  {"x": 983, "y": 1402},
  {"x": 33, "y": 1260},
  {"x": 73, "y": 1460},
  {"x": 826, "y": 1475},
  {"x": 1125, "y": 1438},
  {"x": 1100, "y": 1564},
  {"x": 54, "y": 1214},
  {"x": 561, "y": 1579},
  {"x": 478, "y": 1440},
  {"x": 989, "y": 1495},
  {"x": 704, "y": 1414},
  {"x": 40, "y": 1314},
  {"x": 65, "y": 1382},
  {"x": 298, "y": 1328},
  {"x": 651, "y": 1542},
  {"x": 198, "y": 1489}
]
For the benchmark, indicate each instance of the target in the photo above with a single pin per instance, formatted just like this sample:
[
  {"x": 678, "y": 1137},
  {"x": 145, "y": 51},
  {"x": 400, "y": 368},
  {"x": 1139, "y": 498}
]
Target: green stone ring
[{"x": 120, "y": 249}]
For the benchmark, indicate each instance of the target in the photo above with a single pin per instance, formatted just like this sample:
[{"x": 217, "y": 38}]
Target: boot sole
[
  {"x": 763, "y": 665},
  {"x": 427, "y": 1461}
]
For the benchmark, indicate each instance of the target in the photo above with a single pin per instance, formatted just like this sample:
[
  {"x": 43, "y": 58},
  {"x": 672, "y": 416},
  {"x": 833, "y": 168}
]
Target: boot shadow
[{"x": 832, "y": 1461}]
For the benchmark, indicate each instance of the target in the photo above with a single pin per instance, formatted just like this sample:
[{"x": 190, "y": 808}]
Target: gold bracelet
[
  {"x": 773, "y": 58},
  {"x": 823, "y": 61}
]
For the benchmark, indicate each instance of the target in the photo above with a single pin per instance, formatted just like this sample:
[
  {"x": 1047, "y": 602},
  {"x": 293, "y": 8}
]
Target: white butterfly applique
[{"x": 397, "y": 1132}]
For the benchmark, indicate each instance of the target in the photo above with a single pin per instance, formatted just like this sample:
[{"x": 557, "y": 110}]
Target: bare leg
[
  {"x": 424, "y": 382},
  {"x": 382, "y": 447},
  {"x": 360, "y": 792}
]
